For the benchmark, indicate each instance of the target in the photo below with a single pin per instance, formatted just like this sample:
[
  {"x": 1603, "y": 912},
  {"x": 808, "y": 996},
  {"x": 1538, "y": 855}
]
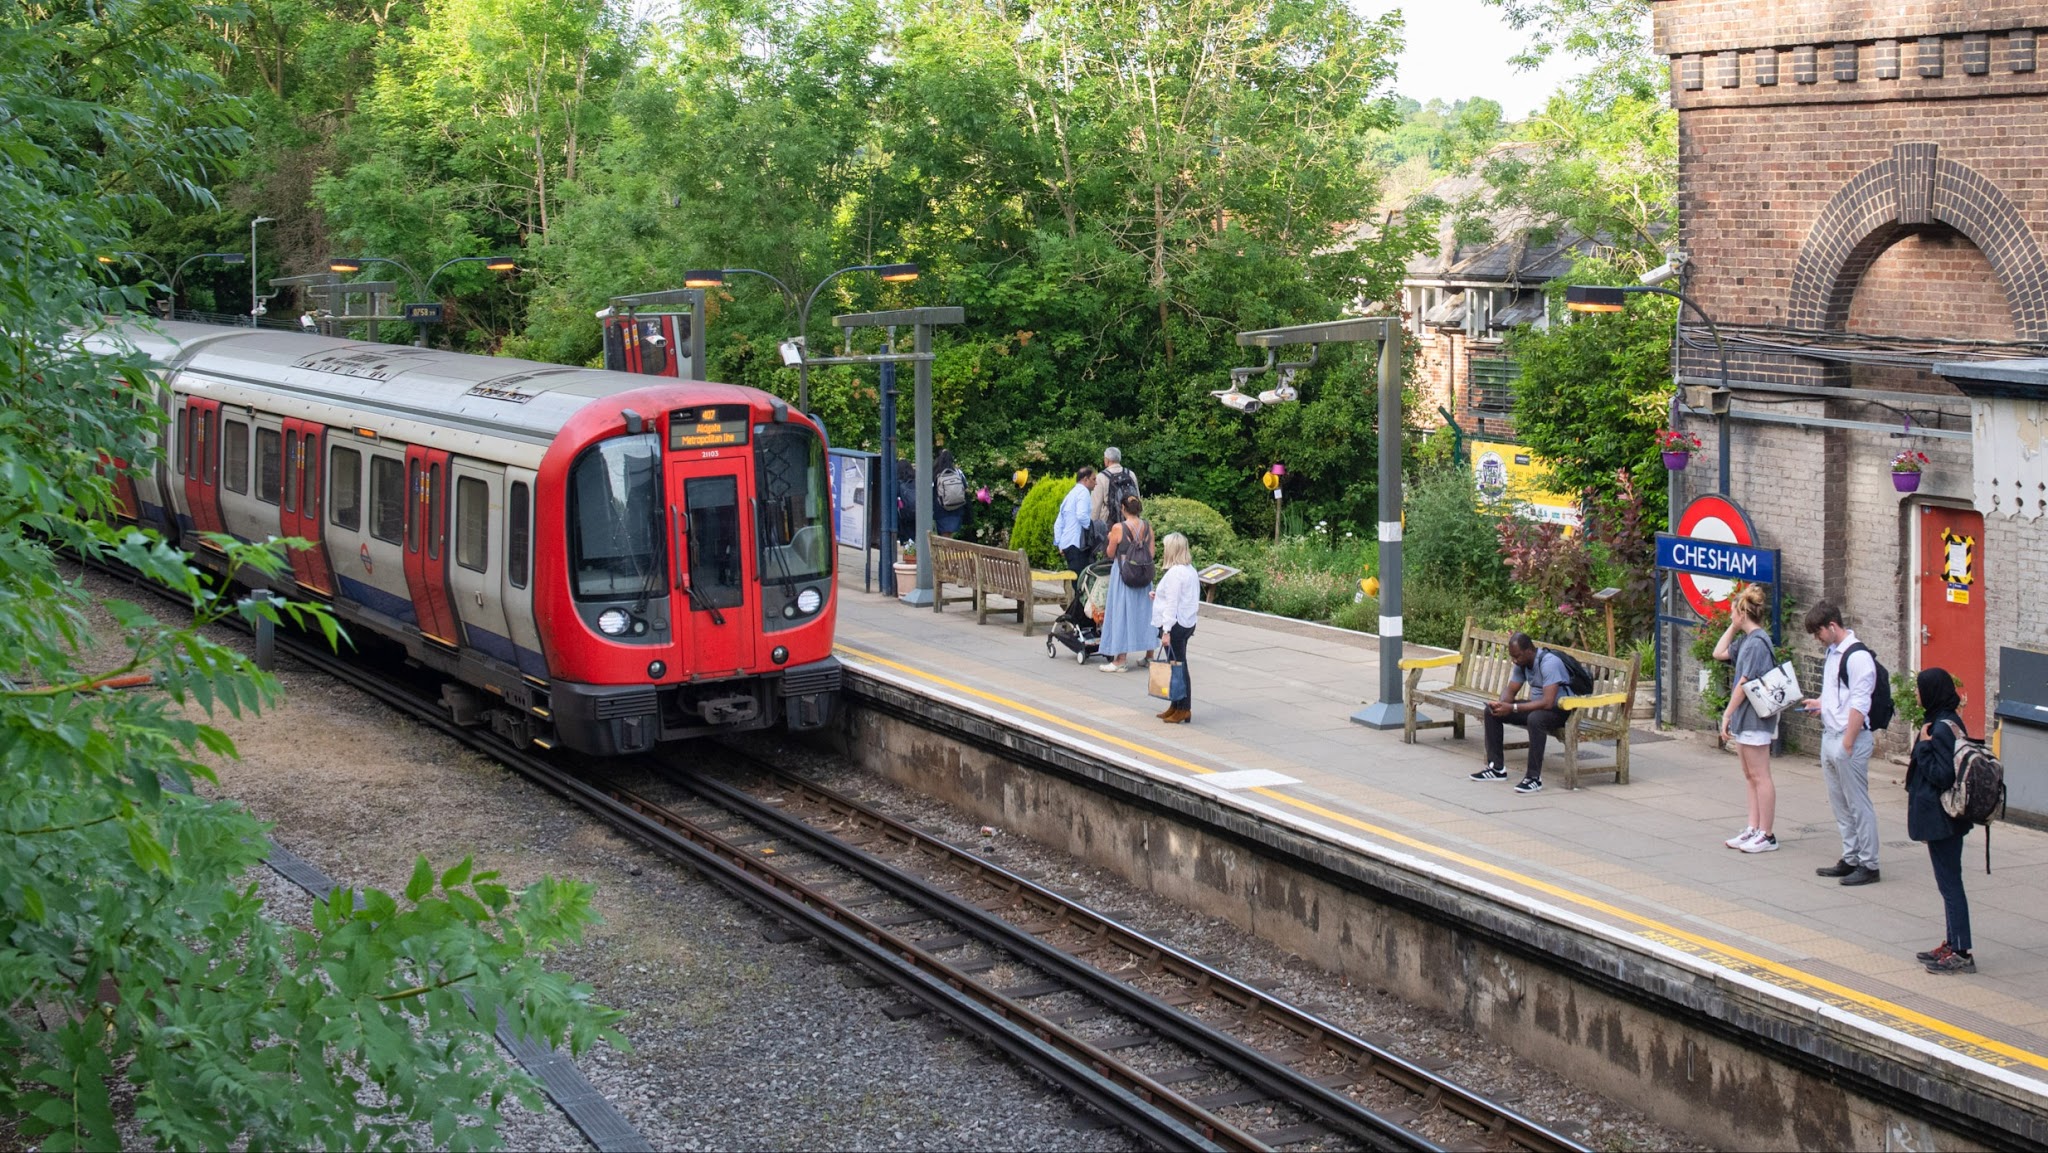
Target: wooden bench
[
  {"x": 991, "y": 571},
  {"x": 1483, "y": 666}
]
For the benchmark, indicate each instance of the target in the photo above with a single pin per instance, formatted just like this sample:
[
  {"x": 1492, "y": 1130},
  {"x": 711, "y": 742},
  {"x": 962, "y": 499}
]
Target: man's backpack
[
  {"x": 1577, "y": 681},
  {"x": 1122, "y": 483},
  {"x": 1979, "y": 789},
  {"x": 1881, "y": 708},
  {"x": 952, "y": 489},
  {"x": 1134, "y": 558}
]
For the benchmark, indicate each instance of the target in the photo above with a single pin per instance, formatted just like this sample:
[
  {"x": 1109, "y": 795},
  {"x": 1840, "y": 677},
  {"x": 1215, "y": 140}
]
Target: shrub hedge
[{"x": 1033, "y": 531}]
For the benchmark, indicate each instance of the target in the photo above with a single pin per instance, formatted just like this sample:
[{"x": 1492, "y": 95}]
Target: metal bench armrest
[
  {"x": 1444, "y": 661},
  {"x": 1595, "y": 702}
]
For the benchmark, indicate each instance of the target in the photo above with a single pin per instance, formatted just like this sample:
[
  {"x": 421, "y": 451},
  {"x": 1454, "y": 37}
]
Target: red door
[
  {"x": 426, "y": 541},
  {"x": 1951, "y": 603},
  {"x": 716, "y": 618},
  {"x": 199, "y": 460},
  {"x": 300, "y": 508}
]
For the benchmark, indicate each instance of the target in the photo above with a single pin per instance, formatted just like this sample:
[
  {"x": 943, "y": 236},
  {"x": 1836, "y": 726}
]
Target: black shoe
[
  {"x": 1490, "y": 773},
  {"x": 1529, "y": 785},
  {"x": 1862, "y": 876},
  {"x": 1841, "y": 868}
]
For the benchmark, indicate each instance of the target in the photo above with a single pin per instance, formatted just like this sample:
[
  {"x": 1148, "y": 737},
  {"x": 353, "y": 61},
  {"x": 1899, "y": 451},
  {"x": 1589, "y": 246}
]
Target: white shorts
[{"x": 1755, "y": 737}]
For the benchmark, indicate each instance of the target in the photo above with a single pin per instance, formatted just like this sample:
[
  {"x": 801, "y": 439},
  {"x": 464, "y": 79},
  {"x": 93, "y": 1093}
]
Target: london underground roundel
[{"x": 1712, "y": 518}]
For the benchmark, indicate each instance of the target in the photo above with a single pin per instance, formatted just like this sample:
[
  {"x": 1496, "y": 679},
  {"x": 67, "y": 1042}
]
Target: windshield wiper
[{"x": 697, "y": 599}]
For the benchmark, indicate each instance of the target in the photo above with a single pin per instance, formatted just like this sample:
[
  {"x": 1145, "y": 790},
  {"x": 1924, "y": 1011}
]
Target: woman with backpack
[
  {"x": 950, "y": 490},
  {"x": 1931, "y": 774},
  {"x": 1127, "y": 610},
  {"x": 1748, "y": 643}
]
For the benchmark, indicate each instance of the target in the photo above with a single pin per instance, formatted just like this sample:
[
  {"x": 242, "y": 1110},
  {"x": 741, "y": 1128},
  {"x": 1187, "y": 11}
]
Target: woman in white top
[{"x": 1174, "y": 604}]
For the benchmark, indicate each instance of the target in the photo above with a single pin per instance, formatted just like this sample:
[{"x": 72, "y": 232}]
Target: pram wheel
[
  {"x": 1081, "y": 655},
  {"x": 1050, "y": 650}
]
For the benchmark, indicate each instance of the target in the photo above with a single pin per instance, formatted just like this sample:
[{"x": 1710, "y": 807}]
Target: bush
[
  {"x": 1208, "y": 533},
  {"x": 1448, "y": 542},
  {"x": 1430, "y": 614},
  {"x": 1033, "y": 531}
]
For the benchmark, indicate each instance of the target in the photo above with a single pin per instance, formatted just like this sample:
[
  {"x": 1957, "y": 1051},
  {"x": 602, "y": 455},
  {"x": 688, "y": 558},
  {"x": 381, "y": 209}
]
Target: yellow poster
[{"x": 1511, "y": 477}]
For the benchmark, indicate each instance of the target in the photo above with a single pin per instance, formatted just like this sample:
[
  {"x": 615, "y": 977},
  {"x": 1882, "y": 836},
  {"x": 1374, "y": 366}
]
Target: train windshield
[
  {"x": 615, "y": 542},
  {"x": 796, "y": 538}
]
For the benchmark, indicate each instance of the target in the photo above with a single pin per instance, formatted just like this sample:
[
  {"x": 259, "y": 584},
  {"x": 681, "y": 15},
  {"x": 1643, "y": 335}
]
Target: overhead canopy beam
[
  {"x": 657, "y": 299},
  {"x": 902, "y": 316},
  {"x": 1360, "y": 328}
]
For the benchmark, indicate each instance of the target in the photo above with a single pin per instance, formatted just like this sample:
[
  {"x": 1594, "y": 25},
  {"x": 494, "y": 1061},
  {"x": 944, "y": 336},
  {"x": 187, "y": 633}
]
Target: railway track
[{"x": 1177, "y": 1053}]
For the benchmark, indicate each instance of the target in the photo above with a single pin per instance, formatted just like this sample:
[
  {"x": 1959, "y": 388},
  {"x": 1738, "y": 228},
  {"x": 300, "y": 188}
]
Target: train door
[
  {"x": 240, "y": 513},
  {"x": 708, "y": 503},
  {"x": 199, "y": 461},
  {"x": 365, "y": 531},
  {"x": 516, "y": 592},
  {"x": 426, "y": 541},
  {"x": 1949, "y": 599},
  {"x": 301, "y": 511},
  {"x": 266, "y": 451},
  {"x": 476, "y": 578}
]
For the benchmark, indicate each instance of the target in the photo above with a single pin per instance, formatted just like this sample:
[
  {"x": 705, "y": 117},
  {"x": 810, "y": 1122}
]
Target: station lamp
[
  {"x": 501, "y": 263},
  {"x": 704, "y": 278},
  {"x": 1595, "y": 298},
  {"x": 345, "y": 264},
  {"x": 897, "y": 273}
]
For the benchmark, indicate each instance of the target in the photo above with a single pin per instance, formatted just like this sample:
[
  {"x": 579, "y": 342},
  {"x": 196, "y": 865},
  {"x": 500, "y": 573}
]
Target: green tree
[{"x": 126, "y": 916}]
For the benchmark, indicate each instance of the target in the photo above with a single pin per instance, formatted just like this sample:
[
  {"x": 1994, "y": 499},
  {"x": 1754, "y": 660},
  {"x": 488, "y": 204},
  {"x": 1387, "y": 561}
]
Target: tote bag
[
  {"x": 1159, "y": 676},
  {"x": 1775, "y": 691}
]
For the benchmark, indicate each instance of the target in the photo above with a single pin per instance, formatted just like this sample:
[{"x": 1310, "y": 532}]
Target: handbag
[
  {"x": 1775, "y": 691},
  {"x": 1159, "y": 675}
]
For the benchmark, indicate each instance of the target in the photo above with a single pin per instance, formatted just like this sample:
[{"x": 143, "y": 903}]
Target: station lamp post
[
  {"x": 1613, "y": 298},
  {"x": 255, "y": 301},
  {"x": 422, "y": 288},
  {"x": 112, "y": 258},
  {"x": 716, "y": 278}
]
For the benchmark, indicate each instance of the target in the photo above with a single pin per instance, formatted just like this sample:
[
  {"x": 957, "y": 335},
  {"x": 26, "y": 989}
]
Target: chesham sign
[{"x": 1717, "y": 558}]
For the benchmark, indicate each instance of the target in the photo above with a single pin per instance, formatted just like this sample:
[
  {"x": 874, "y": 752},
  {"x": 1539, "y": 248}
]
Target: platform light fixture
[
  {"x": 345, "y": 264},
  {"x": 501, "y": 263},
  {"x": 897, "y": 273},
  {"x": 1595, "y": 298},
  {"x": 801, "y": 305},
  {"x": 704, "y": 278}
]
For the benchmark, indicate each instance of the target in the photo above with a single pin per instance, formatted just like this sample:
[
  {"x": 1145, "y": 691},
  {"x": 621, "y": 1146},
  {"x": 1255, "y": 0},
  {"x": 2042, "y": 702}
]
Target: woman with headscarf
[{"x": 1932, "y": 773}]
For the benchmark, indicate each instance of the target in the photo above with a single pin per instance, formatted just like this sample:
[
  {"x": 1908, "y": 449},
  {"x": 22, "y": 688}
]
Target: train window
[
  {"x": 347, "y": 486},
  {"x": 234, "y": 455},
  {"x": 472, "y": 523},
  {"x": 269, "y": 464},
  {"x": 615, "y": 519},
  {"x": 517, "y": 533},
  {"x": 206, "y": 443},
  {"x": 309, "y": 474},
  {"x": 387, "y": 499},
  {"x": 415, "y": 493},
  {"x": 185, "y": 441},
  {"x": 437, "y": 507},
  {"x": 796, "y": 537},
  {"x": 294, "y": 464},
  {"x": 714, "y": 511}
]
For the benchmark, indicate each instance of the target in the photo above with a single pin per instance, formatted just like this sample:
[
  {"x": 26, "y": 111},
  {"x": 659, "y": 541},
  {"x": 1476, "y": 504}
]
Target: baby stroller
[{"x": 1079, "y": 628}]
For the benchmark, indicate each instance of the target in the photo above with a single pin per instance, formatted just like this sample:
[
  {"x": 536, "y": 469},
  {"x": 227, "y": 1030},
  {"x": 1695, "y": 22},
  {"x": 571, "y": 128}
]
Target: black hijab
[{"x": 1938, "y": 692}]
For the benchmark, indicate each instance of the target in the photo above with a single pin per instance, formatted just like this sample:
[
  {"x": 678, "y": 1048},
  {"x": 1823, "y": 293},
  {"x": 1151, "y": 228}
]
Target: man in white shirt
[
  {"x": 1844, "y": 708},
  {"x": 1071, "y": 528}
]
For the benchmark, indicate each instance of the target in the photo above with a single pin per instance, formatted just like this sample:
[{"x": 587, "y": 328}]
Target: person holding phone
[
  {"x": 1748, "y": 644},
  {"x": 1848, "y": 681}
]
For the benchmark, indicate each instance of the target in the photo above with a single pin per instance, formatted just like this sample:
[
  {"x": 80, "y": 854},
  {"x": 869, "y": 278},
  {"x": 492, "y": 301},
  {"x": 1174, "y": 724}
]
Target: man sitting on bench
[{"x": 1544, "y": 674}]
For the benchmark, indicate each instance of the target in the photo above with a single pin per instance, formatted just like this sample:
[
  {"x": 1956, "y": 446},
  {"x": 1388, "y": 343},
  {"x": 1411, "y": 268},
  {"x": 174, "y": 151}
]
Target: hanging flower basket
[
  {"x": 1906, "y": 468},
  {"x": 1677, "y": 448}
]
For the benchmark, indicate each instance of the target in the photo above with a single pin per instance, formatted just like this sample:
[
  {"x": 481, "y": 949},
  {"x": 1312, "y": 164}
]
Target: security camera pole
[{"x": 1384, "y": 713}]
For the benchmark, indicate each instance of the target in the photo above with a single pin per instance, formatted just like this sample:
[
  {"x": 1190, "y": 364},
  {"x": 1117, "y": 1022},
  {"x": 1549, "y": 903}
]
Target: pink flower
[
  {"x": 981, "y": 494},
  {"x": 1565, "y": 609}
]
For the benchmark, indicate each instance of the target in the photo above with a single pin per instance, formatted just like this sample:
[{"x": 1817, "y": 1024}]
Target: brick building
[{"x": 1864, "y": 195}]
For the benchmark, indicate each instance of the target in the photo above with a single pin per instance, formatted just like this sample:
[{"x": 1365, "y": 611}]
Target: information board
[
  {"x": 852, "y": 487},
  {"x": 717, "y": 426}
]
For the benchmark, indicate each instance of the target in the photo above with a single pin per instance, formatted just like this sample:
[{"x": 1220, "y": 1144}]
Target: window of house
[
  {"x": 517, "y": 534},
  {"x": 346, "y": 485},
  {"x": 387, "y": 499},
  {"x": 234, "y": 455},
  {"x": 1491, "y": 384},
  {"x": 269, "y": 465},
  {"x": 472, "y": 523}
]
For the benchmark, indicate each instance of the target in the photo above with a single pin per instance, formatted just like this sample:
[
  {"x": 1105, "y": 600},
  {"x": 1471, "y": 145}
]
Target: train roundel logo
[{"x": 365, "y": 554}]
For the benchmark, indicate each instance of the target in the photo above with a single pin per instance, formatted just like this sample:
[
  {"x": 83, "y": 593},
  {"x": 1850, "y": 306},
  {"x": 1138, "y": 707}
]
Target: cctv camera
[
  {"x": 792, "y": 352},
  {"x": 1247, "y": 405},
  {"x": 259, "y": 310},
  {"x": 1281, "y": 395},
  {"x": 1665, "y": 271}
]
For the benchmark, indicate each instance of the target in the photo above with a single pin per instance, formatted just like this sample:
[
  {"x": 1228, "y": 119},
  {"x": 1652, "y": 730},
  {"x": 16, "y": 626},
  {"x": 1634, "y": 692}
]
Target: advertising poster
[
  {"x": 851, "y": 489},
  {"x": 1510, "y": 476}
]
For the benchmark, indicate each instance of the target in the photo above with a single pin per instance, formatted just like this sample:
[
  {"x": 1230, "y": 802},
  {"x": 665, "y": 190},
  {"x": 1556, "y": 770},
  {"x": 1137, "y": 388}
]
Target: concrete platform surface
[{"x": 1271, "y": 706}]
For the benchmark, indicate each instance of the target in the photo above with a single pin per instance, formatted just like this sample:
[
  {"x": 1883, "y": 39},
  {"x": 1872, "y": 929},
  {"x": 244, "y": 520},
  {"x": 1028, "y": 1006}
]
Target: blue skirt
[{"x": 1127, "y": 617}]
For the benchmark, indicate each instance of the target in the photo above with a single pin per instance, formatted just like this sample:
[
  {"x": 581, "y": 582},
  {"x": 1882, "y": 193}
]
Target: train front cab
[{"x": 699, "y": 564}]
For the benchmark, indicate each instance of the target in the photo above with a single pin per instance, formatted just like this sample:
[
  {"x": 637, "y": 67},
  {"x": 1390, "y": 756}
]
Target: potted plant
[
  {"x": 1906, "y": 469},
  {"x": 906, "y": 560},
  {"x": 1677, "y": 447}
]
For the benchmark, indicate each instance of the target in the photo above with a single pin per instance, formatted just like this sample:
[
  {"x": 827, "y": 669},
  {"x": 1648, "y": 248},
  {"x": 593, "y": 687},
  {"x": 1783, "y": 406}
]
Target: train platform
[{"x": 1643, "y": 863}]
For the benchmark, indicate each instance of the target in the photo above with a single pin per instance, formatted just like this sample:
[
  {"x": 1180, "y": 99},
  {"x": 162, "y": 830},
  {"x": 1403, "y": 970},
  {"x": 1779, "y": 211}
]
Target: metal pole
[
  {"x": 888, "y": 463},
  {"x": 1386, "y": 712},
  {"x": 266, "y": 632},
  {"x": 921, "y": 373},
  {"x": 803, "y": 368}
]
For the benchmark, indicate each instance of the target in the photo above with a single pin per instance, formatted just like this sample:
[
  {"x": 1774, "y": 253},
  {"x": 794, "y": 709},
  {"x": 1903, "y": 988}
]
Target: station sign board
[
  {"x": 423, "y": 313},
  {"x": 1715, "y": 545}
]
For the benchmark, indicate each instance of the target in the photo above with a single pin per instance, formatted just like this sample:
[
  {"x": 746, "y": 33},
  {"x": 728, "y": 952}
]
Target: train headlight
[
  {"x": 807, "y": 601},
  {"x": 613, "y": 622},
  {"x": 779, "y": 655}
]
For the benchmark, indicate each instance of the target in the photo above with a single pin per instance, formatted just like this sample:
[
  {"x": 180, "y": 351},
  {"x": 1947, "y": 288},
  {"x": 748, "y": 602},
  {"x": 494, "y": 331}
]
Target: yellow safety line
[{"x": 1891, "y": 1009}]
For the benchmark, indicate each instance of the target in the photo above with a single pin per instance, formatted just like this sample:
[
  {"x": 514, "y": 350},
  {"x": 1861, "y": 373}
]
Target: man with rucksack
[
  {"x": 1112, "y": 485},
  {"x": 1855, "y": 701},
  {"x": 1547, "y": 675}
]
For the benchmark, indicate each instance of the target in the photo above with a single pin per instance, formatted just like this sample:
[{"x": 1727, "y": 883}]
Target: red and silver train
[{"x": 595, "y": 560}]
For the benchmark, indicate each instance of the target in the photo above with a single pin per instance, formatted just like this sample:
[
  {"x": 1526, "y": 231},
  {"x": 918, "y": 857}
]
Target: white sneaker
[
  {"x": 1761, "y": 843},
  {"x": 1747, "y": 834}
]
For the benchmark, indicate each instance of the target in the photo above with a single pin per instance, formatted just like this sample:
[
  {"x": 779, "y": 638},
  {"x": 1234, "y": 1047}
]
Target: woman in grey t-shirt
[{"x": 1748, "y": 644}]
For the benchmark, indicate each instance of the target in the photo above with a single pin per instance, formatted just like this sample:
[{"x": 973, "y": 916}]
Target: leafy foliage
[
  {"x": 1209, "y": 535},
  {"x": 125, "y": 917},
  {"x": 1449, "y": 542}
]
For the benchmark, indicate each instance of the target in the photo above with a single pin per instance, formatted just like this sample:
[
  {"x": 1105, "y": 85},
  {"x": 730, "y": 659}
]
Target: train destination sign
[{"x": 719, "y": 426}]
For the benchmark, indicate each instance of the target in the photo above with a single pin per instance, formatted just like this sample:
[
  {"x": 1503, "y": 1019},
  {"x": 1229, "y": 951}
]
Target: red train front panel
[{"x": 683, "y": 581}]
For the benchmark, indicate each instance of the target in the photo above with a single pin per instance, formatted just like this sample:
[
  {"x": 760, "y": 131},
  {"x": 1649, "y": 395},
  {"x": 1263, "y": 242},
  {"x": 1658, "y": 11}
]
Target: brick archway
[{"x": 1912, "y": 189}]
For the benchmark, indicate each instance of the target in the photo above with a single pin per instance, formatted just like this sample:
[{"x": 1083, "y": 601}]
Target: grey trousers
[{"x": 1848, "y": 779}]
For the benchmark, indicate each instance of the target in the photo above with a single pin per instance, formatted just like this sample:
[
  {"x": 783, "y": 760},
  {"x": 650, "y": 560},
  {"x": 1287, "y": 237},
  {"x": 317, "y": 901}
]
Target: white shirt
[
  {"x": 1073, "y": 517},
  {"x": 1177, "y": 598},
  {"x": 1835, "y": 703}
]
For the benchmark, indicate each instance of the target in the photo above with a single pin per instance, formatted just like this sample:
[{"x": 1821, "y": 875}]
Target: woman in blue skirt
[{"x": 1127, "y": 611}]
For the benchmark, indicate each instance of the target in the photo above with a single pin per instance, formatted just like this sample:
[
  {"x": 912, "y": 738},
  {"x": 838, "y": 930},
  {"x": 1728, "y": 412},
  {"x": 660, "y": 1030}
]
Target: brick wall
[
  {"x": 1442, "y": 376},
  {"x": 1932, "y": 283}
]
